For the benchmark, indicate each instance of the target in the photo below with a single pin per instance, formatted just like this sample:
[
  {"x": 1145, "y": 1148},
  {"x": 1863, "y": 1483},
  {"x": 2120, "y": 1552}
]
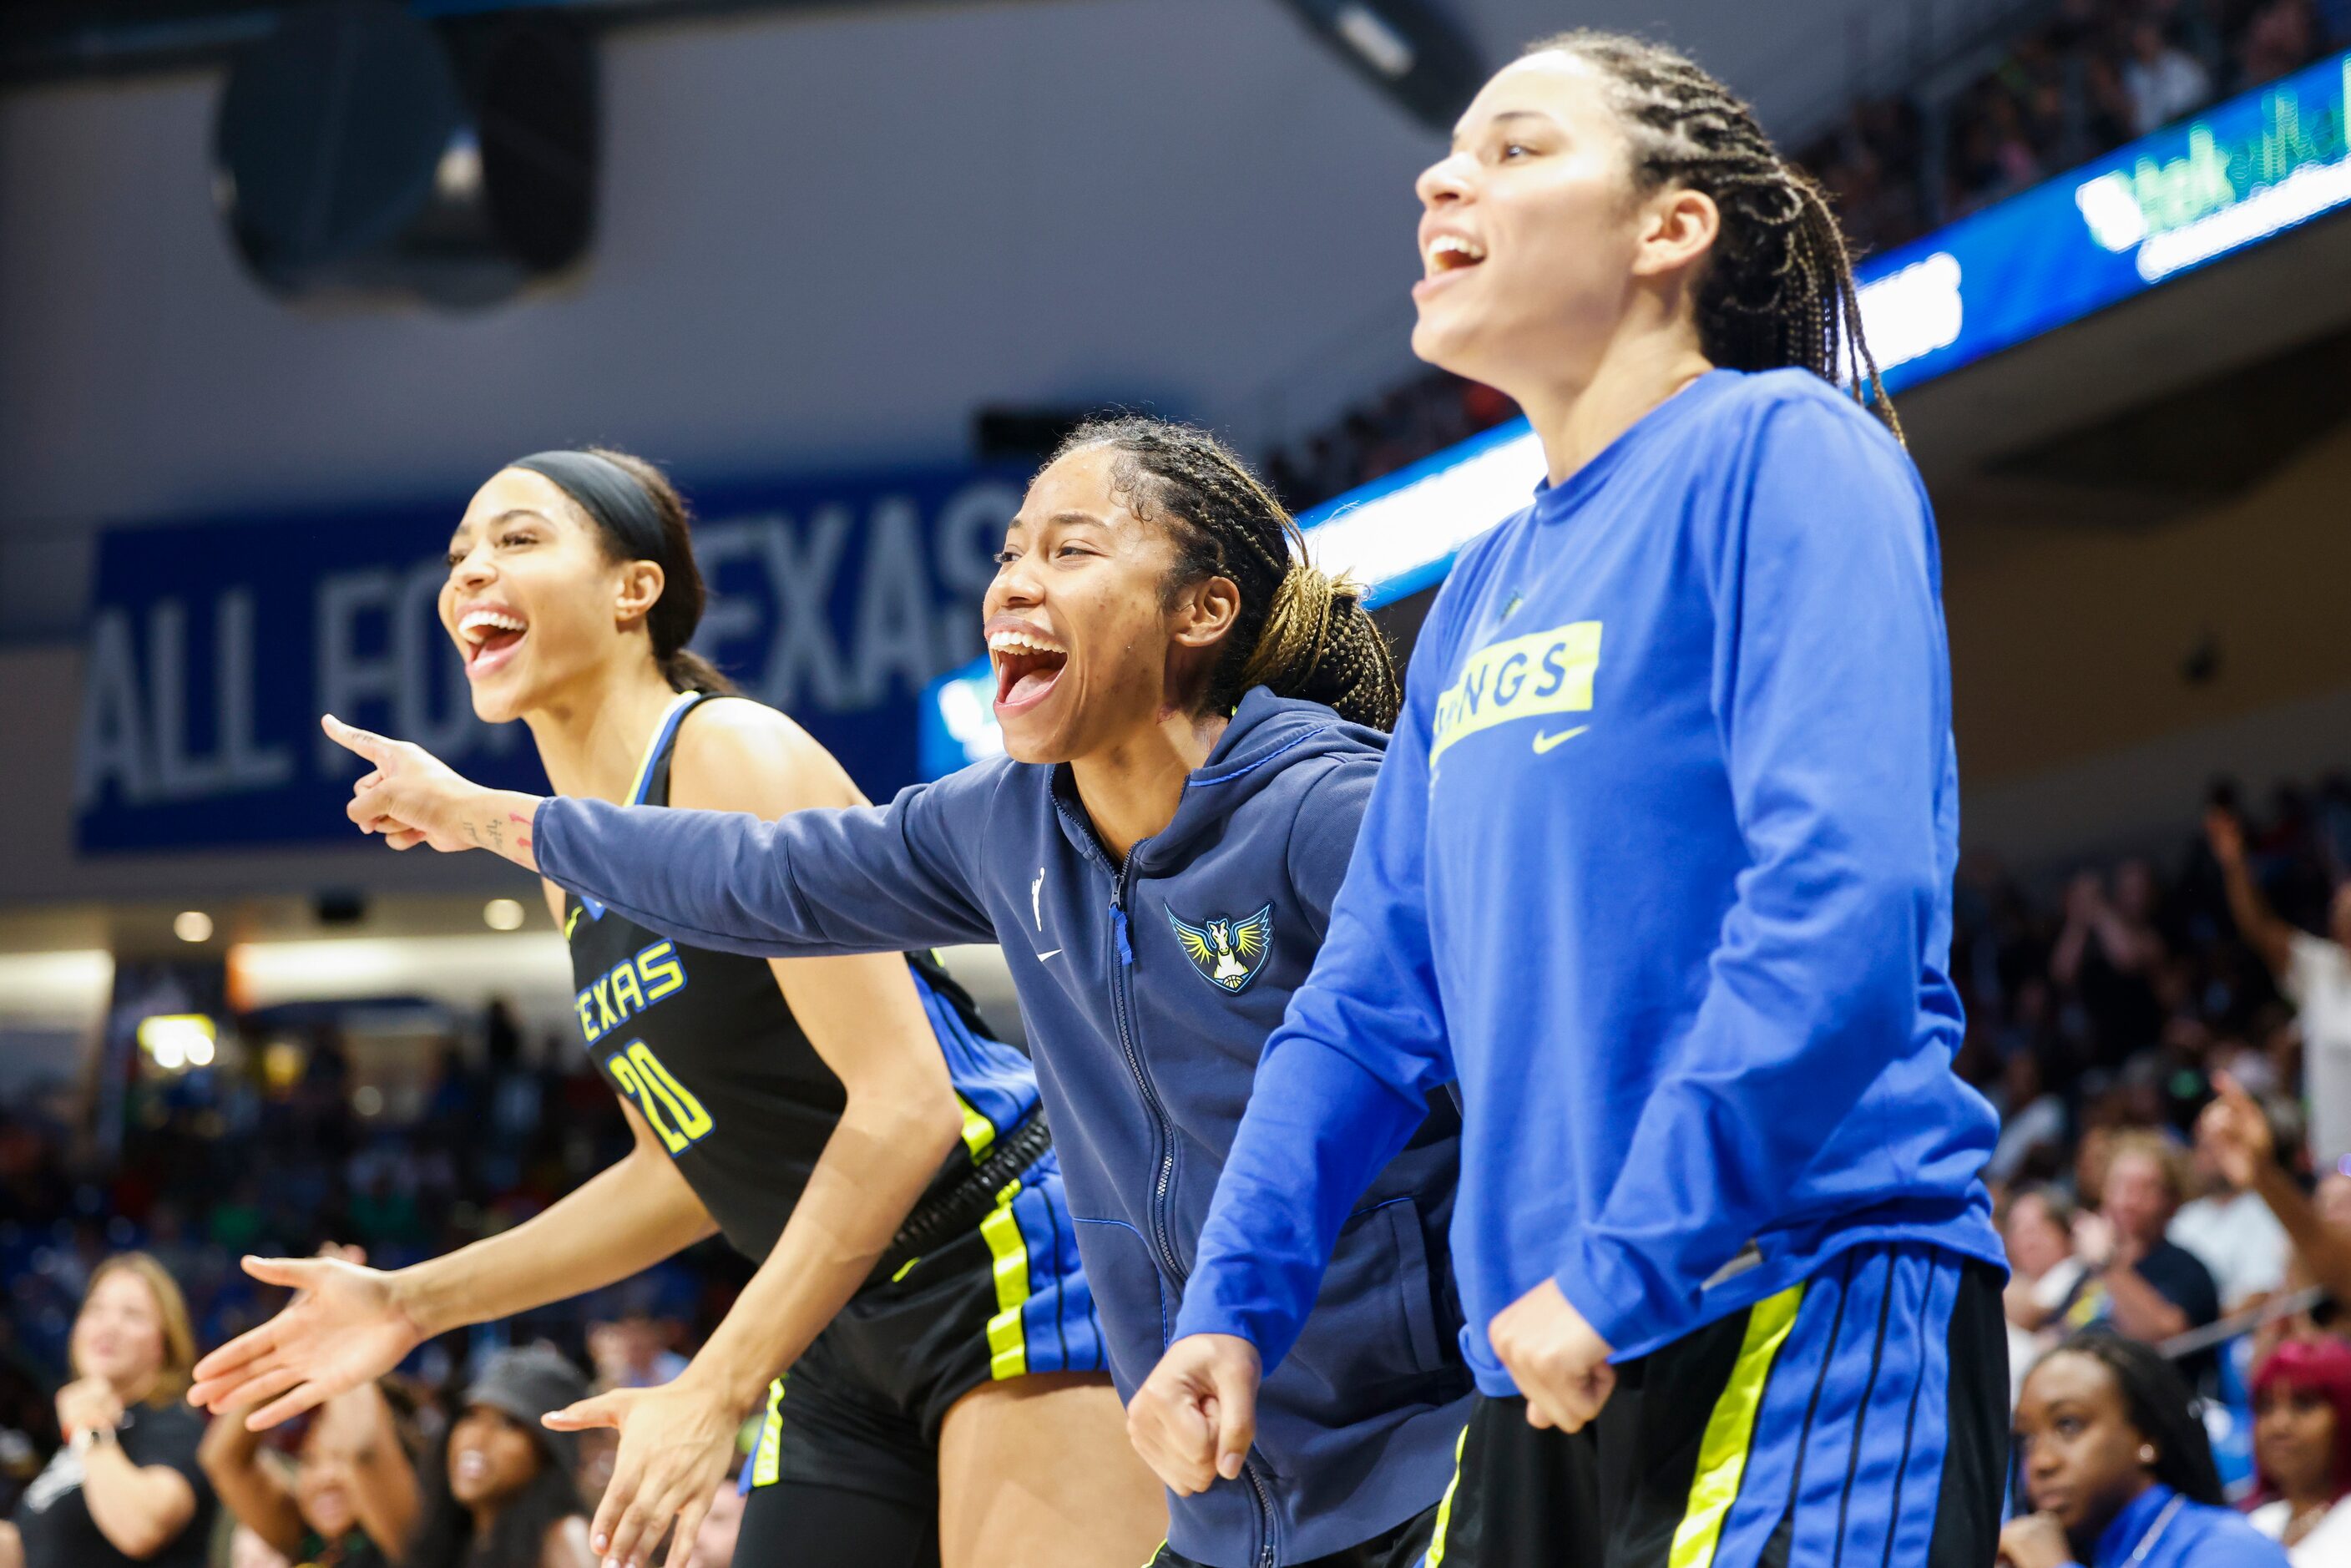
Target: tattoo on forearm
[
  {"x": 522, "y": 837},
  {"x": 472, "y": 837}
]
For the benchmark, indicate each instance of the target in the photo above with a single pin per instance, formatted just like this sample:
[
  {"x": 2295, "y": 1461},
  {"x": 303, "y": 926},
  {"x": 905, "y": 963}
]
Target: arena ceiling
[{"x": 1797, "y": 59}]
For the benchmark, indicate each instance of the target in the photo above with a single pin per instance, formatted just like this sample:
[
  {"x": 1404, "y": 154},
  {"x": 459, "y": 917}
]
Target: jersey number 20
[{"x": 668, "y": 1104}]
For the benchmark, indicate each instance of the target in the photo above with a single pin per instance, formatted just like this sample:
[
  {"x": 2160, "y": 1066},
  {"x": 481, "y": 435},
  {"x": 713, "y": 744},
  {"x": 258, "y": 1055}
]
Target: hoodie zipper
[
  {"x": 1162, "y": 1191},
  {"x": 1120, "y": 997}
]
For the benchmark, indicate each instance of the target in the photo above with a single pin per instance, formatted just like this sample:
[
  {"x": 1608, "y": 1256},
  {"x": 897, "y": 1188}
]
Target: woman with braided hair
[
  {"x": 1657, "y": 875},
  {"x": 1193, "y": 717}
]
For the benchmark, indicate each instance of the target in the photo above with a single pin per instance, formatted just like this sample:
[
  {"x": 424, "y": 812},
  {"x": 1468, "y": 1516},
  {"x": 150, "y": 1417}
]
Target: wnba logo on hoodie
[{"x": 1229, "y": 953}]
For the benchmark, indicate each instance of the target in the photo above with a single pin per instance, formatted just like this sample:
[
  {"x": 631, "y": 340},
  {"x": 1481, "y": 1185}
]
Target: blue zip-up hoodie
[
  {"x": 1149, "y": 990},
  {"x": 1660, "y": 868}
]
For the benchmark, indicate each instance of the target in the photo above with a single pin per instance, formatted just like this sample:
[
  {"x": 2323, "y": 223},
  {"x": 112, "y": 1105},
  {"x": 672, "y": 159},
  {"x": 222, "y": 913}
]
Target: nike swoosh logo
[
  {"x": 1546, "y": 742},
  {"x": 1054, "y": 954}
]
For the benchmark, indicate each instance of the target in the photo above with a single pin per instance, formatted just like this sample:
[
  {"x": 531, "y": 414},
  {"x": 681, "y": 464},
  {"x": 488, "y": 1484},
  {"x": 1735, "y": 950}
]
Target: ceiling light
[
  {"x": 502, "y": 915},
  {"x": 193, "y": 925}
]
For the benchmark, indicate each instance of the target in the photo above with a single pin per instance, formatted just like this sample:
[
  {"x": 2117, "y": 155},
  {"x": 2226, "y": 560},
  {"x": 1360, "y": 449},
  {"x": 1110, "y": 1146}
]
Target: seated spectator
[
  {"x": 2241, "y": 1141},
  {"x": 2164, "y": 80},
  {"x": 350, "y": 1501},
  {"x": 2313, "y": 971},
  {"x": 500, "y": 1493},
  {"x": 629, "y": 1353},
  {"x": 126, "y": 1487},
  {"x": 2031, "y": 1116},
  {"x": 2231, "y": 1232},
  {"x": 2302, "y": 1450},
  {"x": 2153, "y": 1289},
  {"x": 2116, "y": 1467},
  {"x": 2045, "y": 1276}
]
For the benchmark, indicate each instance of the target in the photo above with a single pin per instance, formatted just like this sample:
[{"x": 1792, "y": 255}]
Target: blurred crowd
[
  {"x": 2168, "y": 1040},
  {"x": 218, "y": 1163},
  {"x": 2095, "y": 74},
  {"x": 2090, "y": 77}
]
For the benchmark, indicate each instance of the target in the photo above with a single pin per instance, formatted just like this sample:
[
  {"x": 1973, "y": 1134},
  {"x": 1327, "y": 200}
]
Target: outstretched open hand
[{"x": 345, "y": 1327}]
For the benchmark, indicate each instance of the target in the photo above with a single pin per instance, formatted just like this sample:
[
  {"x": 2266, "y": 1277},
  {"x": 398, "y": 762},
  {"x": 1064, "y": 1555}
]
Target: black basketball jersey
[{"x": 703, "y": 1045}]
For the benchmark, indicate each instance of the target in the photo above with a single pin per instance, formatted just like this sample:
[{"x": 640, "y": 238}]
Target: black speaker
[{"x": 360, "y": 148}]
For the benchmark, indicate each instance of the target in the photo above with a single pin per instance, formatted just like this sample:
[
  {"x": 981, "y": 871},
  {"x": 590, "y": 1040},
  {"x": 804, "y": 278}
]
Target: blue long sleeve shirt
[
  {"x": 1658, "y": 868},
  {"x": 2192, "y": 1535}
]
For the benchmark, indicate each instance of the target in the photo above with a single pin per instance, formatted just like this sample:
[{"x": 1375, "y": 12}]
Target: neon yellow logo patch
[{"x": 1540, "y": 674}]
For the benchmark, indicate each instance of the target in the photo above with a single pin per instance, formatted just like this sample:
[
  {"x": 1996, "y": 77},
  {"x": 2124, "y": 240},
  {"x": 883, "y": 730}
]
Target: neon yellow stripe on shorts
[
  {"x": 766, "y": 1460},
  {"x": 1730, "y": 1431},
  {"x": 1007, "y": 1338},
  {"x": 978, "y": 1132},
  {"x": 1444, "y": 1506}
]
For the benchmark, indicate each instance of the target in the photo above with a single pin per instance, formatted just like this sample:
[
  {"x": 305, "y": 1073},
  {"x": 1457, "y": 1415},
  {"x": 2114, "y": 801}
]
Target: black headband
[{"x": 608, "y": 493}]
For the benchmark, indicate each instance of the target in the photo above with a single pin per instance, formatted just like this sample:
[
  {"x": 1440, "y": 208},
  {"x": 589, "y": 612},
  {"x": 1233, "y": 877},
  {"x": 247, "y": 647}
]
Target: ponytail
[{"x": 1299, "y": 632}]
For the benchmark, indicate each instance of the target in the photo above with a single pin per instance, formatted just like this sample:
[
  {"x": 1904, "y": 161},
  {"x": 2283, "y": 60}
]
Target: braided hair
[
  {"x": 1300, "y": 631},
  {"x": 1779, "y": 288}
]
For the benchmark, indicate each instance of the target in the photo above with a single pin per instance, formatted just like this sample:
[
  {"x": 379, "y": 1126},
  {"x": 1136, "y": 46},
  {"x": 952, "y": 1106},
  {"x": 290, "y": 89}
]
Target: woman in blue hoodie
[
  {"x": 1192, "y": 717},
  {"x": 1659, "y": 872}
]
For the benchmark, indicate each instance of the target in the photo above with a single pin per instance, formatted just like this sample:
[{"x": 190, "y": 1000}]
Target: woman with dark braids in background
[
  {"x": 1659, "y": 871},
  {"x": 1193, "y": 719}
]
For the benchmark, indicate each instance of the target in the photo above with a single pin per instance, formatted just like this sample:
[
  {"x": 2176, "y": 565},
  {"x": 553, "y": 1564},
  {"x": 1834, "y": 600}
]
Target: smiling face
[
  {"x": 322, "y": 1486},
  {"x": 1529, "y": 228},
  {"x": 534, "y": 601},
  {"x": 2075, "y": 1439},
  {"x": 491, "y": 1455},
  {"x": 118, "y": 1335},
  {"x": 2036, "y": 1242},
  {"x": 1086, "y": 649},
  {"x": 2293, "y": 1439}
]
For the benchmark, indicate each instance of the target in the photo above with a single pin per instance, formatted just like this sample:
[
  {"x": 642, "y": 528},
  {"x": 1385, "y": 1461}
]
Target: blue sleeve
[
  {"x": 868, "y": 879},
  {"x": 1343, "y": 1085},
  {"x": 1831, "y": 695}
]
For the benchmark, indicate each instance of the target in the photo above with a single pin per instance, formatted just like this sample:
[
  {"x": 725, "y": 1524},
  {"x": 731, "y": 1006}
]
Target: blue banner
[
  {"x": 2185, "y": 197},
  {"x": 216, "y": 644}
]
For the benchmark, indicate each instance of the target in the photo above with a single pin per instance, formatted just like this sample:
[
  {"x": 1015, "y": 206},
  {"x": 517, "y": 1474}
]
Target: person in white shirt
[
  {"x": 2164, "y": 80},
  {"x": 2314, "y": 972},
  {"x": 2231, "y": 1232},
  {"x": 2302, "y": 1450},
  {"x": 2036, "y": 1224}
]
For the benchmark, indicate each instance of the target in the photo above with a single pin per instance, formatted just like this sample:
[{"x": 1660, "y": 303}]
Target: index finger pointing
[{"x": 351, "y": 737}]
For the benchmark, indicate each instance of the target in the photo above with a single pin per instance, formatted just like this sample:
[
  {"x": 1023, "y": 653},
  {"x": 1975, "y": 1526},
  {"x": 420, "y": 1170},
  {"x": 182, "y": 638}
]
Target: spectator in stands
[
  {"x": 2315, "y": 972},
  {"x": 2302, "y": 1450},
  {"x": 629, "y": 1353},
  {"x": 2118, "y": 1468},
  {"x": 2153, "y": 1289},
  {"x": 2241, "y": 1140},
  {"x": 2164, "y": 80},
  {"x": 126, "y": 1487},
  {"x": 2279, "y": 40},
  {"x": 2231, "y": 1232},
  {"x": 2045, "y": 1276},
  {"x": 350, "y": 1501},
  {"x": 2032, "y": 1118},
  {"x": 500, "y": 1493},
  {"x": 2107, "y": 956}
]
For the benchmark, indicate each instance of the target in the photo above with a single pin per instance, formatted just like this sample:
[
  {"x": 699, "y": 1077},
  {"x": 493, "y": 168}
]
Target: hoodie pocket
[
  {"x": 1375, "y": 1320},
  {"x": 1128, "y": 1299}
]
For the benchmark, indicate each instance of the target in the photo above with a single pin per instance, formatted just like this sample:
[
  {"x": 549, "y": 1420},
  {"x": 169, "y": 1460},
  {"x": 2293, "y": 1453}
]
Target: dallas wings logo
[{"x": 1229, "y": 953}]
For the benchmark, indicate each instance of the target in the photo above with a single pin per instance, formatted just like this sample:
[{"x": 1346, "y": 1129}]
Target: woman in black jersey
[{"x": 846, "y": 1120}]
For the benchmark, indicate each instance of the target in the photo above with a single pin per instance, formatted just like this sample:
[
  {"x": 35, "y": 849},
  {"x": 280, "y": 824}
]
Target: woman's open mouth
[
  {"x": 489, "y": 636},
  {"x": 1027, "y": 667}
]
